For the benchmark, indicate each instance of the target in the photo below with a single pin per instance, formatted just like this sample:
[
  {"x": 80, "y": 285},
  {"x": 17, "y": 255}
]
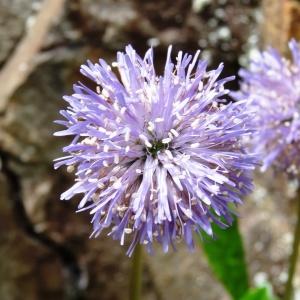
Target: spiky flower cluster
[
  {"x": 272, "y": 85},
  {"x": 156, "y": 157}
]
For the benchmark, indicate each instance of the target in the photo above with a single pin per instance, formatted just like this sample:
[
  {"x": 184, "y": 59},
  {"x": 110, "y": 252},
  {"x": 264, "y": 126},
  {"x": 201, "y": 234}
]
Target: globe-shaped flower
[
  {"x": 272, "y": 86},
  {"x": 156, "y": 157}
]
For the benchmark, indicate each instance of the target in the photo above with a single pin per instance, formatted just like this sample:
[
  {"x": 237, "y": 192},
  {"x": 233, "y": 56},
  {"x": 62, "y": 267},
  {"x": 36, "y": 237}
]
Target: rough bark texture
[{"x": 45, "y": 252}]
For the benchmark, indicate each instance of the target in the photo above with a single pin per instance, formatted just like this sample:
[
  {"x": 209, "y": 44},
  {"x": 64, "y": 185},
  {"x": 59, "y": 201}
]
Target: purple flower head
[
  {"x": 156, "y": 157},
  {"x": 272, "y": 86}
]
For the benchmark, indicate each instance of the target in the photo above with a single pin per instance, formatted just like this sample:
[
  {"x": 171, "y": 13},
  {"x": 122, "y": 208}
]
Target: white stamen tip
[
  {"x": 158, "y": 120},
  {"x": 151, "y": 126},
  {"x": 123, "y": 109},
  {"x": 174, "y": 132},
  {"x": 128, "y": 230},
  {"x": 70, "y": 168},
  {"x": 127, "y": 135},
  {"x": 105, "y": 93},
  {"x": 169, "y": 154},
  {"x": 116, "y": 158},
  {"x": 146, "y": 141},
  {"x": 100, "y": 185},
  {"x": 195, "y": 145},
  {"x": 105, "y": 148},
  {"x": 166, "y": 141},
  {"x": 117, "y": 184}
]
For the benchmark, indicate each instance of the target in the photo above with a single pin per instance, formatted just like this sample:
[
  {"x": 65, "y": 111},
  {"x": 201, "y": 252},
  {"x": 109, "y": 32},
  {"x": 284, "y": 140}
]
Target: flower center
[{"x": 156, "y": 147}]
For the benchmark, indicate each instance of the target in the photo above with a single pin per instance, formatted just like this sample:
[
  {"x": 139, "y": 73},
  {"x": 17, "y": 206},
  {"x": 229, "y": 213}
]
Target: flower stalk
[
  {"x": 294, "y": 255},
  {"x": 136, "y": 274}
]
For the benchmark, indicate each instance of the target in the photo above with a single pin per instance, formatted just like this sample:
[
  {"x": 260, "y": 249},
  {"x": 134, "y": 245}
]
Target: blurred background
[{"x": 45, "y": 252}]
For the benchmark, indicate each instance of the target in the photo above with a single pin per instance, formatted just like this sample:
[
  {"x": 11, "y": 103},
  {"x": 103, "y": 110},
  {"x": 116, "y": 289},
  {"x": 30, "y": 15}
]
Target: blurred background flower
[{"x": 272, "y": 86}]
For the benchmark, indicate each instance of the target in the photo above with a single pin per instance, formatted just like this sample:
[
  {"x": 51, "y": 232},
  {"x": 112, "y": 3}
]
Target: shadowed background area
[{"x": 45, "y": 252}]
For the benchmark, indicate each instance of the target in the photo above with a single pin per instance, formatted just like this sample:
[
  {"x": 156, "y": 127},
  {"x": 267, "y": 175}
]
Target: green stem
[
  {"x": 136, "y": 274},
  {"x": 294, "y": 256}
]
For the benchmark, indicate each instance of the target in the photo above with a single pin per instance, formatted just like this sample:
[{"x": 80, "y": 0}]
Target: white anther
[
  {"x": 105, "y": 148},
  {"x": 127, "y": 149},
  {"x": 151, "y": 196},
  {"x": 215, "y": 104},
  {"x": 143, "y": 217},
  {"x": 93, "y": 180},
  {"x": 128, "y": 230},
  {"x": 158, "y": 120},
  {"x": 112, "y": 134},
  {"x": 200, "y": 86},
  {"x": 188, "y": 213},
  {"x": 70, "y": 168},
  {"x": 105, "y": 163},
  {"x": 105, "y": 93},
  {"x": 169, "y": 154},
  {"x": 113, "y": 178},
  {"x": 117, "y": 184},
  {"x": 122, "y": 208},
  {"x": 116, "y": 106},
  {"x": 116, "y": 158},
  {"x": 237, "y": 120},
  {"x": 127, "y": 135},
  {"x": 101, "y": 129},
  {"x": 166, "y": 141},
  {"x": 100, "y": 185},
  {"x": 151, "y": 126},
  {"x": 88, "y": 141},
  {"x": 195, "y": 145},
  {"x": 195, "y": 123},
  {"x": 138, "y": 171},
  {"x": 174, "y": 132},
  {"x": 146, "y": 141}
]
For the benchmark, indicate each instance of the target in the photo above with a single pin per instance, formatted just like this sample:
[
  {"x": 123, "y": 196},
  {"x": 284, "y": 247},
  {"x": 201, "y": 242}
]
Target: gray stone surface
[{"x": 14, "y": 15}]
